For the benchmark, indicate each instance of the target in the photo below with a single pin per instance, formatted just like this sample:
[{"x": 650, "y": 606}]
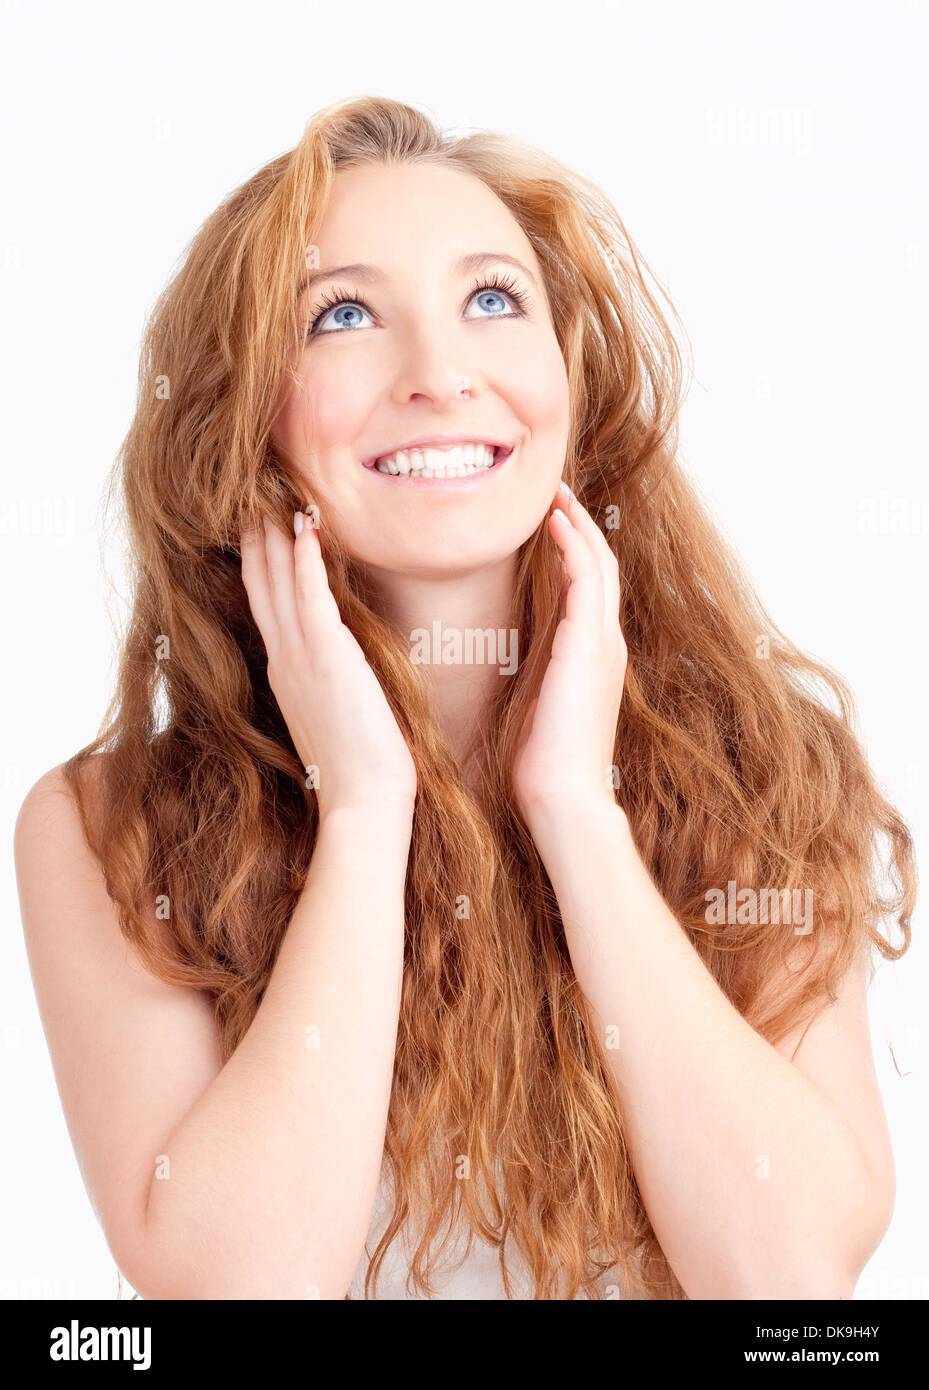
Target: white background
[{"x": 769, "y": 163}]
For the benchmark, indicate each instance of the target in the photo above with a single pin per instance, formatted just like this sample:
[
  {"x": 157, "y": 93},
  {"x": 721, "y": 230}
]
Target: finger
[
  {"x": 580, "y": 517},
  {"x": 528, "y": 721},
  {"x": 279, "y": 551},
  {"x": 255, "y": 579},
  {"x": 317, "y": 611},
  {"x": 584, "y": 600}
]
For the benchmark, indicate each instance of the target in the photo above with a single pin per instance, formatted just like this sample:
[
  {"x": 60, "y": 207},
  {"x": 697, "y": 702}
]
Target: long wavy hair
[{"x": 735, "y": 753}]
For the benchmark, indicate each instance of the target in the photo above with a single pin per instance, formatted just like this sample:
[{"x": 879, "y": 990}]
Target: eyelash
[{"x": 504, "y": 284}]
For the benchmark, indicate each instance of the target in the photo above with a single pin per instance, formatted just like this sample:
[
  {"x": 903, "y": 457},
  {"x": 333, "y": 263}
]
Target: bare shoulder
[
  {"x": 46, "y": 799},
  {"x": 61, "y": 882},
  {"x": 49, "y": 817},
  {"x": 55, "y": 863}
]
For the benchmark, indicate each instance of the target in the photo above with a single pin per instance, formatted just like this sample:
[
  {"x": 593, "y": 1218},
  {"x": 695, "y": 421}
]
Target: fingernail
[
  {"x": 563, "y": 487},
  {"x": 298, "y": 523},
  {"x": 561, "y": 516}
]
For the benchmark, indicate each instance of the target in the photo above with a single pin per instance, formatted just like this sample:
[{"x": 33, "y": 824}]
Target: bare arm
[
  {"x": 767, "y": 1171},
  {"x": 273, "y": 1172},
  {"x": 251, "y": 1180},
  {"x": 255, "y": 1179},
  {"x": 763, "y": 1177}
]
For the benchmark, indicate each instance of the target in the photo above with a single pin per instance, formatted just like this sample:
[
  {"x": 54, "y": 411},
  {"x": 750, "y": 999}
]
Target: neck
[{"x": 435, "y": 614}]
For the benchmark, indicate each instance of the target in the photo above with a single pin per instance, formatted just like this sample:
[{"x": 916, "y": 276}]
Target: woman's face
[{"x": 414, "y": 350}]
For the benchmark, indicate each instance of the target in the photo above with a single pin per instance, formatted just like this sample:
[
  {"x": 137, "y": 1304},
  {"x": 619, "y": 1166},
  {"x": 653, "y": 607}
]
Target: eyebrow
[{"x": 475, "y": 260}]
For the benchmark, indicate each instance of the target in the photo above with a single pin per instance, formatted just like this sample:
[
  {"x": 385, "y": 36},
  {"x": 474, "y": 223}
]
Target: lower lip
[{"x": 444, "y": 484}]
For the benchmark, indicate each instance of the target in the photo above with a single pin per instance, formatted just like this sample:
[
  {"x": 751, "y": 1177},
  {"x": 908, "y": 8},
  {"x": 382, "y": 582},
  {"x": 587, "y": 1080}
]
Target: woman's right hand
[{"x": 335, "y": 709}]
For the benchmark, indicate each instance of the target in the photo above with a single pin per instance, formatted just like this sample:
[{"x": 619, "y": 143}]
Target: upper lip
[{"x": 435, "y": 441}]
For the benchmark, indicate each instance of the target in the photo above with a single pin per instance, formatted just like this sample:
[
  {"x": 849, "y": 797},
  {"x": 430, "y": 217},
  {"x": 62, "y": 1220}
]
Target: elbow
[
  {"x": 150, "y": 1258},
  {"x": 165, "y": 1267},
  {"x": 154, "y": 1277},
  {"x": 167, "y": 1281},
  {"x": 829, "y": 1264},
  {"x": 155, "y": 1261},
  {"x": 808, "y": 1277},
  {"x": 866, "y": 1228},
  {"x": 826, "y": 1270}
]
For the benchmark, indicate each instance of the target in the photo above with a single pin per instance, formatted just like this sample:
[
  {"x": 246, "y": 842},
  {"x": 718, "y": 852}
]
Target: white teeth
[{"x": 459, "y": 462}]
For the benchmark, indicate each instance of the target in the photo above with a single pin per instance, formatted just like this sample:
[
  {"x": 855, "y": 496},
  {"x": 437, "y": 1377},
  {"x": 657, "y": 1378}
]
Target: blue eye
[
  {"x": 341, "y": 311},
  {"x": 500, "y": 289},
  {"x": 492, "y": 295}
]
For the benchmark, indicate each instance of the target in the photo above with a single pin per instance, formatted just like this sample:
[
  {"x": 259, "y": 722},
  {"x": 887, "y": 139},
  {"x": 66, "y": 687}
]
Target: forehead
[{"x": 405, "y": 213}]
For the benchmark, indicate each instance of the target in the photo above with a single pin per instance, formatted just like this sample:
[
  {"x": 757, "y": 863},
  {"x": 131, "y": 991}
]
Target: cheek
[
  {"x": 328, "y": 410},
  {"x": 540, "y": 393}
]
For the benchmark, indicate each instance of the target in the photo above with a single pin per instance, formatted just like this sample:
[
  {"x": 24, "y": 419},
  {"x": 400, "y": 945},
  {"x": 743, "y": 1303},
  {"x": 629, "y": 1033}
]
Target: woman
[{"x": 493, "y": 868}]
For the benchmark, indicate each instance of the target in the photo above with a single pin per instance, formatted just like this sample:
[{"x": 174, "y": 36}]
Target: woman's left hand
[{"x": 565, "y": 757}]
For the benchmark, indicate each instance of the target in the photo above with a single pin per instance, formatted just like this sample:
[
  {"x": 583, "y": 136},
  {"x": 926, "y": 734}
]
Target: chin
[{"x": 454, "y": 545}]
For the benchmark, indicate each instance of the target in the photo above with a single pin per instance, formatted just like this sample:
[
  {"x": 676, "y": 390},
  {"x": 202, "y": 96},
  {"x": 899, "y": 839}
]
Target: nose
[{"x": 433, "y": 368}]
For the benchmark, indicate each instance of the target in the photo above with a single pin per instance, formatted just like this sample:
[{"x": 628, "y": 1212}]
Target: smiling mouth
[{"x": 458, "y": 463}]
